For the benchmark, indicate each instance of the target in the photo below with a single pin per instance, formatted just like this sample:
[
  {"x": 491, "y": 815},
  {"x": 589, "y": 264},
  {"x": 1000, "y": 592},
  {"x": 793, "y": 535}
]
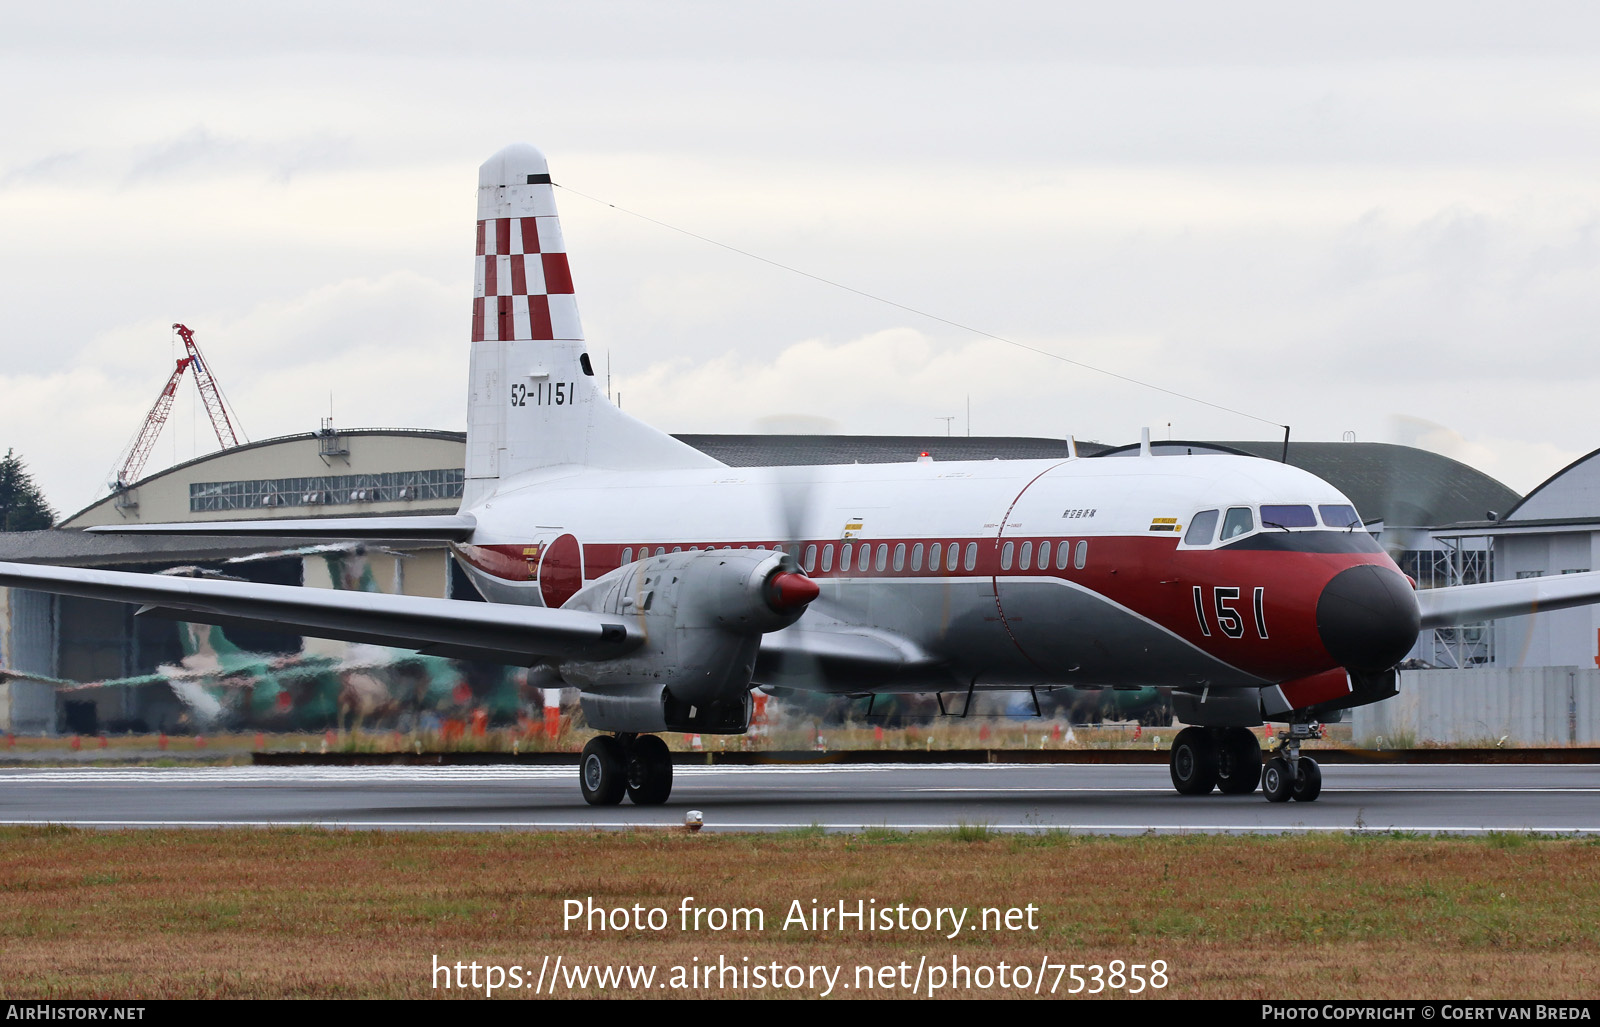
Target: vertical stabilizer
[{"x": 533, "y": 402}]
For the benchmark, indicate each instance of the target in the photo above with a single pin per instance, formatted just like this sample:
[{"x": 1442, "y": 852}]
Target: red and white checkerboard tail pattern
[{"x": 533, "y": 402}]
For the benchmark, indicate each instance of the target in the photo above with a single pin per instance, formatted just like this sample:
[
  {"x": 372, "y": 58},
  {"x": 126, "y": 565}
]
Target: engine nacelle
[{"x": 703, "y": 613}]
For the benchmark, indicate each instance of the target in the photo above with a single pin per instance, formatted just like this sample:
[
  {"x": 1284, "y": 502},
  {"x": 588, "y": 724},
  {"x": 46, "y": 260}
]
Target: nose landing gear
[
  {"x": 636, "y": 765},
  {"x": 1289, "y": 775}
]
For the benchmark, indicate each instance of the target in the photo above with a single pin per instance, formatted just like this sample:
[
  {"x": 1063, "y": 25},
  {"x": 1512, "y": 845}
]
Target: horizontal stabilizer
[
  {"x": 518, "y": 635},
  {"x": 452, "y": 528},
  {"x": 1466, "y": 604}
]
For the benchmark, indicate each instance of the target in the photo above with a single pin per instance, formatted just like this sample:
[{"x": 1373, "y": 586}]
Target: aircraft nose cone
[{"x": 1368, "y": 617}]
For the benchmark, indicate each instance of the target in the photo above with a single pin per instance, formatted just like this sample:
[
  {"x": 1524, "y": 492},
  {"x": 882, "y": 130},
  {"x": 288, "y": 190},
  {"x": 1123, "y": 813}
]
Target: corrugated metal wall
[
  {"x": 1526, "y": 706},
  {"x": 32, "y": 634}
]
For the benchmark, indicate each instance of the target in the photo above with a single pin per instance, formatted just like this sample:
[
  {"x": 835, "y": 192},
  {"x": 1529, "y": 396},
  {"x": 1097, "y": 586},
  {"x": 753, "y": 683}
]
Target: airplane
[{"x": 665, "y": 586}]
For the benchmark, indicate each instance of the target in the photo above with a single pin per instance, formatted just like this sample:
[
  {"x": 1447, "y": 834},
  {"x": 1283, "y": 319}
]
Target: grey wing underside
[
  {"x": 515, "y": 635},
  {"x": 1464, "y": 604}
]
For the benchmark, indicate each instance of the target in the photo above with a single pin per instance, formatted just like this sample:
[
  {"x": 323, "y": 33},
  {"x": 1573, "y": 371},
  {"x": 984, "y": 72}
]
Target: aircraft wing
[
  {"x": 452, "y": 528},
  {"x": 824, "y": 653},
  {"x": 1464, "y": 604},
  {"x": 515, "y": 635}
]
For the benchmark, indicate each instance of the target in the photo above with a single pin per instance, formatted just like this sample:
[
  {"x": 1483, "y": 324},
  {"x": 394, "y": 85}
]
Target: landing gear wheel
[
  {"x": 1238, "y": 761},
  {"x": 1307, "y": 783},
  {"x": 600, "y": 771},
  {"x": 649, "y": 771},
  {"x": 1277, "y": 780},
  {"x": 1193, "y": 762}
]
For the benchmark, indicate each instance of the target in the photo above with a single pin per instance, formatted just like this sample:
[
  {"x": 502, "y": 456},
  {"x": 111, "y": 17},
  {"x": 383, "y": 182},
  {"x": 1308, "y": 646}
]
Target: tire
[
  {"x": 600, "y": 771},
  {"x": 1276, "y": 780},
  {"x": 1308, "y": 783},
  {"x": 649, "y": 771},
  {"x": 1238, "y": 762},
  {"x": 1193, "y": 762}
]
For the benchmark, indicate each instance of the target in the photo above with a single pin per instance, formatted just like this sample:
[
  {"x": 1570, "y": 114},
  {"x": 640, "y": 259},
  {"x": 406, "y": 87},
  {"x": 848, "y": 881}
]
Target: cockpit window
[
  {"x": 1339, "y": 516},
  {"x": 1287, "y": 517},
  {"x": 1202, "y": 528},
  {"x": 1238, "y": 522}
]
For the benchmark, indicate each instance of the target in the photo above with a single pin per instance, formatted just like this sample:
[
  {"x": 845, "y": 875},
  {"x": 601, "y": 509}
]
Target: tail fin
[{"x": 533, "y": 402}]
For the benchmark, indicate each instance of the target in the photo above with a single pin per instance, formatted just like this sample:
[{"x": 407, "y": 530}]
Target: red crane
[{"x": 145, "y": 440}]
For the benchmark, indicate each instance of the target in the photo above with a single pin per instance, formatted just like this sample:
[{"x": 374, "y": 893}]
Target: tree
[{"x": 22, "y": 505}]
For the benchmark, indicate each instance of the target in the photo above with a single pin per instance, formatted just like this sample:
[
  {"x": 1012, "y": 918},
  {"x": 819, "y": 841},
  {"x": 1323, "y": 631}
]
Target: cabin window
[
  {"x": 1005, "y": 555},
  {"x": 1044, "y": 555},
  {"x": 627, "y": 555},
  {"x": 900, "y": 556},
  {"x": 883, "y": 555},
  {"x": 972, "y": 555},
  {"x": 677, "y": 549},
  {"x": 844, "y": 556},
  {"x": 1339, "y": 516},
  {"x": 827, "y": 558},
  {"x": 1063, "y": 549},
  {"x": 1238, "y": 522},
  {"x": 1296, "y": 516},
  {"x": 810, "y": 563},
  {"x": 916, "y": 557},
  {"x": 1081, "y": 557},
  {"x": 1025, "y": 561},
  {"x": 934, "y": 552},
  {"x": 1202, "y": 528}
]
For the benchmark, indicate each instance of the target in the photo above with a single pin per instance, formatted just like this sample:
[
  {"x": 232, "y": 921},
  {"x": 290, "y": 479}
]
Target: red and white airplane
[{"x": 665, "y": 585}]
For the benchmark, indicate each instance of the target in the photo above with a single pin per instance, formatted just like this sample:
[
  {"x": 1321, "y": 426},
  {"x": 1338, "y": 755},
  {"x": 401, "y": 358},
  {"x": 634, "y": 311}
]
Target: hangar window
[
  {"x": 900, "y": 556},
  {"x": 1202, "y": 528},
  {"x": 1062, "y": 549},
  {"x": 1025, "y": 561},
  {"x": 883, "y": 555},
  {"x": 811, "y": 559},
  {"x": 1005, "y": 555},
  {"x": 1238, "y": 522},
  {"x": 972, "y": 555},
  {"x": 329, "y": 489},
  {"x": 827, "y": 558},
  {"x": 916, "y": 557},
  {"x": 844, "y": 556},
  {"x": 1081, "y": 557}
]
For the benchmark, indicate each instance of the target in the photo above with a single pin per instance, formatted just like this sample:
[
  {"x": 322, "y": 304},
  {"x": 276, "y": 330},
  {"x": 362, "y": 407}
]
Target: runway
[{"x": 1433, "y": 799}]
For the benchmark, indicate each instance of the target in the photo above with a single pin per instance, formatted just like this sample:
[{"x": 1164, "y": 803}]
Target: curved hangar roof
[{"x": 361, "y": 471}]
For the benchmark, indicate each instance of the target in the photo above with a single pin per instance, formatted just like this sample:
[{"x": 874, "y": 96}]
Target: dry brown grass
[{"x": 158, "y": 914}]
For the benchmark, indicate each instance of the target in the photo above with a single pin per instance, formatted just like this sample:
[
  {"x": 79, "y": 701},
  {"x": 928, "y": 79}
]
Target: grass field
[{"x": 247, "y": 913}]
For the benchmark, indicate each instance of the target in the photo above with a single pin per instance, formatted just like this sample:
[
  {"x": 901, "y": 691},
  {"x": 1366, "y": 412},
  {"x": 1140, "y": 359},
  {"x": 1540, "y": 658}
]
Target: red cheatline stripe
[
  {"x": 539, "y": 318},
  {"x": 557, "y": 276},
  {"x": 477, "y": 319},
  {"x": 480, "y": 238},
  {"x": 491, "y": 275},
  {"x": 519, "y": 273},
  {"x": 502, "y": 235},
  {"x": 530, "y": 235}
]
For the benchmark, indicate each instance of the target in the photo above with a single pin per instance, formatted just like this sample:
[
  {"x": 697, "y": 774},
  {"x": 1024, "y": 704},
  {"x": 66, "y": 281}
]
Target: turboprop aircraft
[{"x": 665, "y": 585}]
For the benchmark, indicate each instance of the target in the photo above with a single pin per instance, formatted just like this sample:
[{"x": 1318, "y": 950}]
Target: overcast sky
[{"x": 1375, "y": 218}]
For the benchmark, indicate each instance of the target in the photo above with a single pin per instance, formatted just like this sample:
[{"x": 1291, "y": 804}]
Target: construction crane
[{"x": 139, "y": 449}]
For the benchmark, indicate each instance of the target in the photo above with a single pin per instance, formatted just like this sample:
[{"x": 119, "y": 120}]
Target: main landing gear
[
  {"x": 638, "y": 765},
  {"x": 1228, "y": 759}
]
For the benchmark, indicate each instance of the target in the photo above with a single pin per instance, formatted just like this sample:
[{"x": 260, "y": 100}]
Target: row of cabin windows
[
  {"x": 939, "y": 556},
  {"x": 1025, "y": 558}
]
